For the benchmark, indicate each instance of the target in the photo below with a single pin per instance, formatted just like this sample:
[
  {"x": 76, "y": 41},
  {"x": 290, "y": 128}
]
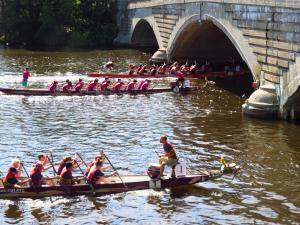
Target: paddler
[
  {"x": 11, "y": 179},
  {"x": 16, "y": 163},
  {"x": 26, "y": 75},
  {"x": 79, "y": 85},
  {"x": 92, "y": 86},
  {"x": 105, "y": 84},
  {"x": 101, "y": 157},
  {"x": 42, "y": 159},
  {"x": 96, "y": 174},
  {"x": 162, "y": 69},
  {"x": 131, "y": 85},
  {"x": 53, "y": 87},
  {"x": 145, "y": 85},
  {"x": 66, "y": 176},
  {"x": 67, "y": 86},
  {"x": 36, "y": 176},
  {"x": 109, "y": 65},
  {"x": 193, "y": 68},
  {"x": 153, "y": 70},
  {"x": 117, "y": 85},
  {"x": 130, "y": 69},
  {"x": 174, "y": 67},
  {"x": 142, "y": 70},
  {"x": 169, "y": 157}
]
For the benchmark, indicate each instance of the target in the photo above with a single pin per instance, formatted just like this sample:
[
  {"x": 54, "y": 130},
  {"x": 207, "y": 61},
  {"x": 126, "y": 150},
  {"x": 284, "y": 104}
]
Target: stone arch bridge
[{"x": 264, "y": 35}]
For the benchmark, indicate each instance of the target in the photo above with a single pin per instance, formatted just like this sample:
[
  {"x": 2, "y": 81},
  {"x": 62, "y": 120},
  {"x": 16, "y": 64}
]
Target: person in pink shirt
[
  {"x": 79, "y": 85},
  {"x": 105, "y": 84},
  {"x": 53, "y": 87},
  {"x": 145, "y": 85},
  {"x": 92, "y": 85},
  {"x": 26, "y": 75},
  {"x": 131, "y": 85},
  {"x": 67, "y": 86}
]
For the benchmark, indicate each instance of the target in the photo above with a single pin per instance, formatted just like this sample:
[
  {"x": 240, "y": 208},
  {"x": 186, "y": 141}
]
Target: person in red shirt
[
  {"x": 145, "y": 85},
  {"x": 131, "y": 85},
  {"x": 36, "y": 175},
  {"x": 92, "y": 86},
  {"x": 105, "y": 84},
  {"x": 142, "y": 70},
  {"x": 162, "y": 69},
  {"x": 53, "y": 87},
  {"x": 117, "y": 86},
  {"x": 67, "y": 86},
  {"x": 96, "y": 174},
  {"x": 26, "y": 75},
  {"x": 78, "y": 85}
]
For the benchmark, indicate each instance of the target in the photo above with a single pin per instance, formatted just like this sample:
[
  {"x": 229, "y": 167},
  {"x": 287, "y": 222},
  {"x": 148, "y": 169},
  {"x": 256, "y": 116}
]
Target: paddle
[
  {"x": 51, "y": 163},
  {"x": 81, "y": 159},
  {"x": 115, "y": 171},
  {"x": 24, "y": 169}
]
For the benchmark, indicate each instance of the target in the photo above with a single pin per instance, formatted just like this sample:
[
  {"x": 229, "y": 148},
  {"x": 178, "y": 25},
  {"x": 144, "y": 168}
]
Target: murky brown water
[{"x": 201, "y": 125}]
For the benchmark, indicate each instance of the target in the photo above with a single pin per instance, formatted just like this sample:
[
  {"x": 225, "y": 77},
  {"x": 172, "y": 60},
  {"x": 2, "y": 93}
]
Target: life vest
[
  {"x": 169, "y": 150},
  {"x": 140, "y": 86},
  {"x": 143, "y": 69},
  {"x": 104, "y": 85},
  {"x": 180, "y": 74},
  {"x": 9, "y": 180},
  {"x": 153, "y": 71},
  {"x": 52, "y": 87},
  {"x": 193, "y": 68},
  {"x": 66, "y": 87},
  {"x": 66, "y": 177},
  {"x": 162, "y": 69},
  {"x": 145, "y": 86},
  {"x": 79, "y": 86},
  {"x": 131, "y": 71},
  {"x": 91, "y": 86},
  {"x": 94, "y": 175},
  {"x": 61, "y": 167},
  {"x": 117, "y": 86},
  {"x": 89, "y": 168},
  {"x": 130, "y": 86}
]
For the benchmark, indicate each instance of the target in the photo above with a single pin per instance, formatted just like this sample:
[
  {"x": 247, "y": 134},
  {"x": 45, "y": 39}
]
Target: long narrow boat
[
  {"x": 44, "y": 92},
  {"x": 200, "y": 75},
  {"x": 112, "y": 185}
]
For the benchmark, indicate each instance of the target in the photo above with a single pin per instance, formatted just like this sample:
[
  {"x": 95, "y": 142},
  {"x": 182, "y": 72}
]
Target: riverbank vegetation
[{"x": 54, "y": 24}]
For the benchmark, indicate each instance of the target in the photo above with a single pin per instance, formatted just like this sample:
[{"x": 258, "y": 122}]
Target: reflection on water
[{"x": 202, "y": 126}]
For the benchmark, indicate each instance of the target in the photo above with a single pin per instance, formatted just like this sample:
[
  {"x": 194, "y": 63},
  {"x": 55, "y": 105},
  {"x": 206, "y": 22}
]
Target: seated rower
[
  {"x": 131, "y": 85},
  {"x": 78, "y": 85},
  {"x": 53, "y": 87},
  {"x": 145, "y": 85},
  {"x": 130, "y": 69},
  {"x": 11, "y": 179},
  {"x": 92, "y": 86},
  {"x": 162, "y": 69},
  {"x": 142, "y": 70},
  {"x": 63, "y": 164},
  {"x": 36, "y": 176},
  {"x": 67, "y": 86},
  {"x": 43, "y": 160},
  {"x": 96, "y": 175},
  {"x": 101, "y": 157},
  {"x": 153, "y": 70},
  {"x": 117, "y": 85},
  {"x": 109, "y": 65},
  {"x": 169, "y": 158},
  {"x": 66, "y": 177},
  {"x": 16, "y": 163},
  {"x": 105, "y": 84}
]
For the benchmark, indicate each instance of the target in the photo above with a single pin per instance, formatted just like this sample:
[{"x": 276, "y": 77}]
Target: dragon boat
[{"x": 114, "y": 184}]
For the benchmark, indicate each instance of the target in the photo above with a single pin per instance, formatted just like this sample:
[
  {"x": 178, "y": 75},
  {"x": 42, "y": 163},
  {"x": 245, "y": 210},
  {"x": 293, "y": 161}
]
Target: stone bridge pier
[{"x": 263, "y": 36}]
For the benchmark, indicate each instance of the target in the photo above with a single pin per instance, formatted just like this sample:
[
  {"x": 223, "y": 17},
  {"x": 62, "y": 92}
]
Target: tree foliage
[{"x": 57, "y": 23}]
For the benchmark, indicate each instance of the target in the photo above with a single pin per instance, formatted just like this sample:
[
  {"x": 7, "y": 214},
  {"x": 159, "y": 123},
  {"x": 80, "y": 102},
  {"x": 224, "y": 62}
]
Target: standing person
[
  {"x": 180, "y": 78},
  {"x": 169, "y": 153},
  {"x": 26, "y": 75},
  {"x": 109, "y": 65}
]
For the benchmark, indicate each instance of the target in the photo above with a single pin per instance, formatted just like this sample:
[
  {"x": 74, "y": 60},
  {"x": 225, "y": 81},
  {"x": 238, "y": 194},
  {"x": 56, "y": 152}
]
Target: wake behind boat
[{"x": 45, "y": 92}]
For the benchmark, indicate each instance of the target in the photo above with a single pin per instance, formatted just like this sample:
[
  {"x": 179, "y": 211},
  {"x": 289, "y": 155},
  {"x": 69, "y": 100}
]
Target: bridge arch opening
[
  {"x": 205, "y": 42},
  {"x": 143, "y": 36}
]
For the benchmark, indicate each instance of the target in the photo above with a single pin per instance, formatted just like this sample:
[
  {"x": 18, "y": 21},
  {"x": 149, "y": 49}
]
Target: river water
[{"x": 202, "y": 126}]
